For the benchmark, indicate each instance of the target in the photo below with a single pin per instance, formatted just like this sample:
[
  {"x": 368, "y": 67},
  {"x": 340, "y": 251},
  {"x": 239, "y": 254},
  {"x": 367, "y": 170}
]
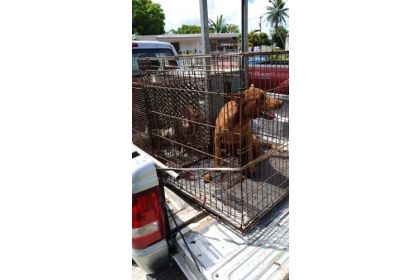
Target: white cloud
[{"x": 188, "y": 12}]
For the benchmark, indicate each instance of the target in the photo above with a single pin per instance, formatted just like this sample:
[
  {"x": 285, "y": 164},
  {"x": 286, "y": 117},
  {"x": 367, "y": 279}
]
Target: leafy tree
[
  {"x": 230, "y": 28},
  {"x": 239, "y": 41},
  {"x": 254, "y": 38},
  {"x": 257, "y": 38},
  {"x": 147, "y": 18},
  {"x": 188, "y": 29},
  {"x": 264, "y": 39},
  {"x": 276, "y": 14},
  {"x": 279, "y": 36},
  {"x": 217, "y": 27}
]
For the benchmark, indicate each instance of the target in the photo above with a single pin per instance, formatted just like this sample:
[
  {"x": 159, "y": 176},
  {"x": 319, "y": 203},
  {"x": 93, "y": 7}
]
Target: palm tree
[
  {"x": 230, "y": 28},
  {"x": 279, "y": 36},
  {"x": 254, "y": 38},
  {"x": 218, "y": 25},
  {"x": 264, "y": 39},
  {"x": 276, "y": 14}
]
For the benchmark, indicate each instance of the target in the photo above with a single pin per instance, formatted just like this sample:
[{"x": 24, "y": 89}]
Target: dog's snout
[{"x": 274, "y": 104}]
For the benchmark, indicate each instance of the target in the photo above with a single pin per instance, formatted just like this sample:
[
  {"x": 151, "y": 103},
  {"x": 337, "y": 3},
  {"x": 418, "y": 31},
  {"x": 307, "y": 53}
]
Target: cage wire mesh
[{"x": 174, "y": 114}]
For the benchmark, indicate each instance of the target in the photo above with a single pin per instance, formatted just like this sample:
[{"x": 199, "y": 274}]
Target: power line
[{"x": 256, "y": 17}]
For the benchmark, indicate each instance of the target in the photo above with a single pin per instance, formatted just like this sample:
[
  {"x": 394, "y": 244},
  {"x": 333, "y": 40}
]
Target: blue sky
[{"x": 230, "y": 9}]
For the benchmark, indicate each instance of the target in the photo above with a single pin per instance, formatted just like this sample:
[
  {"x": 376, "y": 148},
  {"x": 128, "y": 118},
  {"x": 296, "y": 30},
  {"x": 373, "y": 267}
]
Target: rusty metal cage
[{"x": 174, "y": 114}]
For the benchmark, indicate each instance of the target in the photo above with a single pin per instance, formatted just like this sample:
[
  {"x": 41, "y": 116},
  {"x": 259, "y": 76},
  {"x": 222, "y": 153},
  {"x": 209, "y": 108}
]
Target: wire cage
[{"x": 222, "y": 126}]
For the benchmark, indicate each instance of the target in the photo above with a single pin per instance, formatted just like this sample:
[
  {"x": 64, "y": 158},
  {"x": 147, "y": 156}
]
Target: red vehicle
[{"x": 269, "y": 77}]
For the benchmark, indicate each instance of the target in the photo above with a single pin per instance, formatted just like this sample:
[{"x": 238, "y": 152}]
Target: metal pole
[
  {"x": 244, "y": 42},
  {"x": 205, "y": 39},
  {"x": 206, "y": 48}
]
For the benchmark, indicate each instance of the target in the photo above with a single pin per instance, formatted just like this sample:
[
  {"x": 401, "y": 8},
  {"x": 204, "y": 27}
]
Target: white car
[{"x": 152, "y": 49}]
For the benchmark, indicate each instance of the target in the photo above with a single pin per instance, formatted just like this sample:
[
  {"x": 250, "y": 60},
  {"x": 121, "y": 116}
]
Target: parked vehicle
[
  {"x": 152, "y": 50},
  {"x": 266, "y": 73},
  {"x": 214, "y": 223}
]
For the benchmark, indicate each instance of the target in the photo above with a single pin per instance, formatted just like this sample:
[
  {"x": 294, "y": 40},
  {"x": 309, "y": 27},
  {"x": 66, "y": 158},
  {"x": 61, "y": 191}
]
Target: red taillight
[
  {"x": 148, "y": 224},
  {"x": 135, "y": 44}
]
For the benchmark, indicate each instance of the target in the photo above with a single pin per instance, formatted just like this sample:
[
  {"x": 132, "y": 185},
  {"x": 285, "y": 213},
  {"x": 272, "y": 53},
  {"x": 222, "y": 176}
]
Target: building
[{"x": 187, "y": 43}]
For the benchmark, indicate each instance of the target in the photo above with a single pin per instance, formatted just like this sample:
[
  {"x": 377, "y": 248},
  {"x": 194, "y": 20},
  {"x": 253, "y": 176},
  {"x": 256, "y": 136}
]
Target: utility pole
[
  {"x": 205, "y": 39},
  {"x": 244, "y": 16},
  {"x": 205, "y": 47},
  {"x": 260, "y": 24}
]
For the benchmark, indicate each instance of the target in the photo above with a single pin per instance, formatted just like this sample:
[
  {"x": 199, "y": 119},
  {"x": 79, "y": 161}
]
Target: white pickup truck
[
  {"x": 203, "y": 246},
  {"x": 235, "y": 226}
]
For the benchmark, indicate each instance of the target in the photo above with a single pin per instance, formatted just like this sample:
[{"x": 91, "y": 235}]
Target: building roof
[{"x": 180, "y": 37}]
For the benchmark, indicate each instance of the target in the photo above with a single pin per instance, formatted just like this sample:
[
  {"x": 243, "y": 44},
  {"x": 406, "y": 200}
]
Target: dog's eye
[{"x": 262, "y": 97}]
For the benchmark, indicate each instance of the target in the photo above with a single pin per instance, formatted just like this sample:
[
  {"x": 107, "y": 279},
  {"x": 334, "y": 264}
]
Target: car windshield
[{"x": 150, "y": 53}]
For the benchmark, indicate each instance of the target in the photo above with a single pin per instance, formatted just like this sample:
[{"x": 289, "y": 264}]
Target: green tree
[
  {"x": 230, "y": 28},
  {"x": 279, "y": 36},
  {"x": 254, "y": 38},
  {"x": 217, "y": 27},
  {"x": 264, "y": 39},
  {"x": 239, "y": 41},
  {"x": 257, "y": 38},
  {"x": 147, "y": 18},
  {"x": 188, "y": 29},
  {"x": 276, "y": 14}
]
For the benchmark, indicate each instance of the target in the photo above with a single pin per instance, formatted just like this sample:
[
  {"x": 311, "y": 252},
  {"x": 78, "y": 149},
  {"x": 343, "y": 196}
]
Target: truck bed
[
  {"x": 214, "y": 249},
  {"x": 240, "y": 199},
  {"x": 222, "y": 252}
]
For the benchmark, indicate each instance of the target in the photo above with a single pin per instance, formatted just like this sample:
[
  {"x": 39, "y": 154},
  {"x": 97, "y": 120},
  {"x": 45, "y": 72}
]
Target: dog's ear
[
  {"x": 243, "y": 96},
  {"x": 235, "y": 97},
  {"x": 239, "y": 96}
]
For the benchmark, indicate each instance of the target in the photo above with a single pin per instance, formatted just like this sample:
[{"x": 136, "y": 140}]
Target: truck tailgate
[
  {"x": 223, "y": 253},
  {"x": 183, "y": 212}
]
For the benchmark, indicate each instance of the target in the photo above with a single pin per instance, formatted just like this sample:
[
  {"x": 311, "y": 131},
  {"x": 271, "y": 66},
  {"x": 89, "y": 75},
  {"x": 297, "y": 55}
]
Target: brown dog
[
  {"x": 233, "y": 129},
  {"x": 184, "y": 132},
  {"x": 189, "y": 128}
]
